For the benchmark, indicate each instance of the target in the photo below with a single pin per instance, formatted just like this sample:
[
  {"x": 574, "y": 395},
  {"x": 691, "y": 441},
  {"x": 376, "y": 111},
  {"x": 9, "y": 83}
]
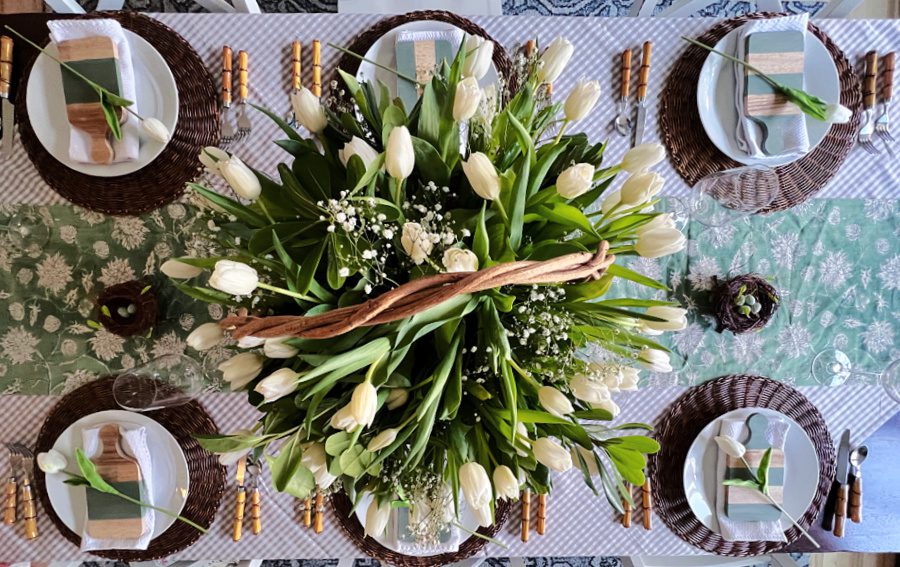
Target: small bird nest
[
  {"x": 743, "y": 303},
  {"x": 128, "y": 308}
]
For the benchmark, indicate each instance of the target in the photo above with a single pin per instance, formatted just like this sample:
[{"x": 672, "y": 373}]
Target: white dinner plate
[
  {"x": 716, "y": 97},
  {"x": 801, "y": 469},
  {"x": 169, "y": 469},
  {"x": 157, "y": 97},
  {"x": 383, "y": 51}
]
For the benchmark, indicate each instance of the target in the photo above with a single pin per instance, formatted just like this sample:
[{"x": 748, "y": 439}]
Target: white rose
[
  {"x": 415, "y": 242},
  {"x": 459, "y": 260}
]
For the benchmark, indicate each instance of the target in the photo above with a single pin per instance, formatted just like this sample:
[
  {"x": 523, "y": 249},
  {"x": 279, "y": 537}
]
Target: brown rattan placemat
[
  {"x": 343, "y": 509},
  {"x": 694, "y": 155},
  {"x": 361, "y": 44},
  {"x": 207, "y": 476},
  {"x": 677, "y": 428},
  {"x": 163, "y": 180}
]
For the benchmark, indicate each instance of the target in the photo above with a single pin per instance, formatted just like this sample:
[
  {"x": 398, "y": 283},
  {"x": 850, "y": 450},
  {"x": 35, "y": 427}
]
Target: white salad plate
[
  {"x": 717, "y": 104},
  {"x": 157, "y": 97},
  {"x": 169, "y": 469},
  {"x": 801, "y": 468}
]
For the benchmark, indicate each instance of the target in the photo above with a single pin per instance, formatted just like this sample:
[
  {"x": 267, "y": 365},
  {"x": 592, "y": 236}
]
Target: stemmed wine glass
[
  {"x": 724, "y": 197},
  {"x": 170, "y": 380},
  {"x": 24, "y": 229},
  {"x": 832, "y": 367}
]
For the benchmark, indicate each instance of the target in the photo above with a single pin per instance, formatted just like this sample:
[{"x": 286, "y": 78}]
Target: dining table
[{"x": 834, "y": 258}]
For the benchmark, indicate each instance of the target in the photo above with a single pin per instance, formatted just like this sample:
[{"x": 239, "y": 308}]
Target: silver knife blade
[
  {"x": 843, "y": 458},
  {"x": 639, "y": 123},
  {"x": 8, "y": 127}
]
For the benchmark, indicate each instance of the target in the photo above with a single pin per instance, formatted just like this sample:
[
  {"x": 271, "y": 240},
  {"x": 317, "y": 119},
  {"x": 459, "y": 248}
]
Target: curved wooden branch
[{"x": 422, "y": 294}]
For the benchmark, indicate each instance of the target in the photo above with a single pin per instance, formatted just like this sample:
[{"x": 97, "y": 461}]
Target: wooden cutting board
[
  {"x": 110, "y": 516},
  {"x": 97, "y": 58},
  {"x": 748, "y": 504}
]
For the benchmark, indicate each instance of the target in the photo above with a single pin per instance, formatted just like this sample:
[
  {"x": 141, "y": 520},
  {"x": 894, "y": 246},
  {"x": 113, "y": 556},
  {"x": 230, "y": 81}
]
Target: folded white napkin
[
  {"x": 134, "y": 444},
  {"x": 732, "y": 530},
  {"x": 128, "y": 148},
  {"x": 749, "y": 135}
]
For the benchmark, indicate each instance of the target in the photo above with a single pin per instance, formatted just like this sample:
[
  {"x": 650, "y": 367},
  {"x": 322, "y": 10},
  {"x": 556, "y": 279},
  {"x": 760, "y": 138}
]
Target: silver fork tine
[
  {"x": 868, "y": 122},
  {"x": 243, "y": 121},
  {"x": 227, "y": 131},
  {"x": 883, "y": 124}
]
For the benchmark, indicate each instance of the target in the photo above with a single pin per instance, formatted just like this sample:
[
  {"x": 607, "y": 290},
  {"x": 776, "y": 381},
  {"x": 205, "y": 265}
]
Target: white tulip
[
  {"x": 479, "y": 52},
  {"x": 664, "y": 220},
  {"x": 610, "y": 202},
  {"x": 654, "y": 360},
  {"x": 640, "y": 188},
  {"x": 343, "y": 419},
  {"x": 506, "y": 485},
  {"x": 483, "y": 515},
  {"x": 837, "y": 114},
  {"x": 731, "y": 447},
  {"x": 377, "y": 518},
  {"x": 642, "y": 157},
  {"x": 205, "y": 336},
  {"x": 241, "y": 369},
  {"x": 482, "y": 176},
  {"x": 234, "y": 278},
  {"x": 397, "y": 397},
  {"x": 382, "y": 440},
  {"x": 554, "y": 59},
  {"x": 155, "y": 130},
  {"x": 466, "y": 99},
  {"x": 357, "y": 147},
  {"x": 673, "y": 319},
  {"x": 551, "y": 454},
  {"x": 554, "y": 401},
  {"x": 210, "y": 156},
  {"x": 476, "y": 487},
  {"x": 179, "y": 270},
  {"x": 588, "y": 389},
  {"x": 590, "y": 460},
  {"x": 521, "y": 438},
  {"x": 308, "y": 110},
  {"x": 416, "y": 242},
  {"x": 240, "y": 178},
  {"x": 250, "y": 342},
  {"x": 364, "y": 403},
  {"x": 277, "y": 348},
  {"x": 630, "y": 377},
  {"x": 278, "y": 384},
  {"x": 608, "y": 405},
  {"x": 582, "y": 100},
  {"x": 575, "y": 180},
  {"x": 459, "y": 260},
  {"x": 399, "y": 157},
  {"x": 660, "y": 242},
  {"x": 313, "y": 458},
  {"x": 230, "y": 458},
  {"x": 52, "y": 461}
]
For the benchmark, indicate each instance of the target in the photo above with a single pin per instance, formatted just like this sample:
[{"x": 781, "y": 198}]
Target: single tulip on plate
[
  {"x": 278, "y": 384},
  {"x": 308, "y": 110},
  {"x": 551, "y": 454},
  {"x": 575, "y": 180},
  {"x": 554, "y": 59},
  {"x": 731, "y": 447},
  {"x": 399, "y": 157},
  {"x": 155, "y": 130},
  {"x": 482, "y": 176},
  {"x": 554, "y": 401},
  {"x": 837, "y": 114},
  {"x": 205, "y": 336},
  {"x": 241, "y": 369},
  {"x": 581, "y": 100},
  {"x": 506, "y": 485},
  {"x": 179, "y": 270},
  {"x": 52, "y": 461},
  {"x": 466, "y": 99},
  {"x": 234, "y": 278},
  {"x": 357, "y": 147}
]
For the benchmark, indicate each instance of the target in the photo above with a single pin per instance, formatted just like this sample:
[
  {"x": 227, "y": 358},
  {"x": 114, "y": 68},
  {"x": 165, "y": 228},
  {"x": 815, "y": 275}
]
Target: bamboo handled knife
[{"x": 8, "y": 118}]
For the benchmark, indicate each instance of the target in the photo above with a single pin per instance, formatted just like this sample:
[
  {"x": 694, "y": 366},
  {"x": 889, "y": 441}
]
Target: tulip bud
[
  {"x": 590, "y": 460},
  {"x": 837, "y": 114},
  {"x": 377, "y": 518},
  {"x": 416, "y": 242},
  {"x": 660, "y": 242},
  {"x": 588, "y": 389},
  {"x": 575, "y": 180},
  {"x": 554, "y": 401},
  {"x": 250, "y": 342},
  {"x": 364, "y": 403},
  {"x": 155, "y": 130},
  {"x": 659, "y": 221},
  {"x": 608, "y": 405},
  {"x": 240, "y": 178},
  {"x": 308, "y": 110},
  {"x": 397, "y": 397},
  {"x": 277, "y": 348},
  {"x": 52, "y": 461},
  {"x": 357, "y": 147},
  {"x": 479, "y": 52},
  {"x": 731, "y": 447},
  {"x": 178, "y": 270},
  {"x": 581, "y": 100},
  {"x": 205, "y": 336},
  {"x": 654, "y": 360},
  {"x": 313, "y": 458},
  {"x": 554, "y": 59},
  {"x": 476, "y": 487},
  {"x": 343, "y": 419},
  {"x": 466, "y": 99},
  {"x": 482, "y": 176},
  {"x": 640, "y": 188},
  {"x": 630, "y": 377},
  {"x": 521, "y": 438},
  {"x": 673, "y": 319},
  {"x": 240, "y": 369},
  {"x": 234, "y": 278},
  {"x": 399, "y": 157},
  {"x": 459, "y": 260},
  {"x": 230, "y": 458},
  {"x": 610, "y": 202},
  {"x": 506, "y": 485},
  {"x": 551, "y": 454},
  {"x": 642, "y": 157},
  {"x": 210, "y": 156},
  {"x": 278, "y": 384},
  {"x": 382, "y": 440}
]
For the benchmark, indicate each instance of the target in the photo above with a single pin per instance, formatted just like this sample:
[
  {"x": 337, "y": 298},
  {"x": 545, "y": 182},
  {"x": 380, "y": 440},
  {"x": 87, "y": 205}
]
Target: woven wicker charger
[
  {"x": 683, "y": 421},
  {"x": 161, "y": 181},
  {"x": 694, "y": 155},
  {"x": 362, "y": 42},
  {"x": 207, "y": 476},
  {"x": 343, "y": 510}
]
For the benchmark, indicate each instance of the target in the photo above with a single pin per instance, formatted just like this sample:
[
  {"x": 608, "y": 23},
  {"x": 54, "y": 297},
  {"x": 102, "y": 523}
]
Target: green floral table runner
[{"x": 835, "y": 262}]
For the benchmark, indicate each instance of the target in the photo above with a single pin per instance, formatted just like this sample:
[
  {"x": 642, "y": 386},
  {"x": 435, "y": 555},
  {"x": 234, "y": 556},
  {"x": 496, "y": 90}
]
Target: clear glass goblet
[
  {"x": 724, "y": 197},
  {"x": 170, "y": 380},
  {"x": 832, "y": 367}
]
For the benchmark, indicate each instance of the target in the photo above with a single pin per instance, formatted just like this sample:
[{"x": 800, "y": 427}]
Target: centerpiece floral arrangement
[{"x": 431, "y": 290}]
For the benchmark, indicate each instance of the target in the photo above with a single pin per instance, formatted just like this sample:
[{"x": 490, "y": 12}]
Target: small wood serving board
[
  {"x": 747, "y": 504},
  {"x": 109, "y": 516}
]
